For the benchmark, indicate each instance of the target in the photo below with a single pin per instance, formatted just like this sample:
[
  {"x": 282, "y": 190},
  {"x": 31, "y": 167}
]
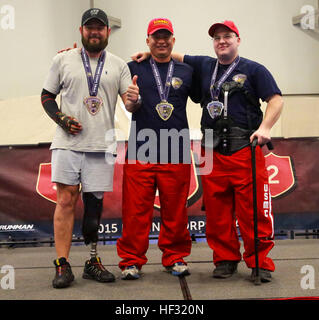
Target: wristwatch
[{"x": 139, "y": 100}]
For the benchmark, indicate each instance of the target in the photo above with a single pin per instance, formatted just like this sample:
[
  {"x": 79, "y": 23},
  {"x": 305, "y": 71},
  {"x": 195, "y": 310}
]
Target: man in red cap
[
  {"x": 228, "y": 189},
  {"x": 158, "y": 160},
  {"x": 231, "y": 87}
]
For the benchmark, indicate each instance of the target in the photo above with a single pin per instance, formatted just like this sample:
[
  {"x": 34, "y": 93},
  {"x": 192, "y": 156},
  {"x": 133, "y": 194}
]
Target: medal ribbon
[
  {"x": 163, "y": 92},
  {"x": 93, "y": 83},
  {"x": 214, "y": 92}
]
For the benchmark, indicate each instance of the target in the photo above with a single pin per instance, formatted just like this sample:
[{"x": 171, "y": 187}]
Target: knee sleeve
[{"x": 93, "y": 208}]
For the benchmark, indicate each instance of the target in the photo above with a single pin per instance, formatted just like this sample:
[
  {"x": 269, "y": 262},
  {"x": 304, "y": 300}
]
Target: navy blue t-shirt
[
  {"x": 152, "y": 138},
  {"x": 259, "y": 82}
]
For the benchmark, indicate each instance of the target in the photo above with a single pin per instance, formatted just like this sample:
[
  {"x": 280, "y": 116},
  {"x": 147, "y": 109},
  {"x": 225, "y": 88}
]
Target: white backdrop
[
  {"x": 268, "y": 35},
  {"x": 42, "y": 27}
]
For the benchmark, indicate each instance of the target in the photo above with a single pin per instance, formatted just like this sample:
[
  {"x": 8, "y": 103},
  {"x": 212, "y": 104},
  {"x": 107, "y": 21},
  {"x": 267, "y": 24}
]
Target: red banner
[{"x": 27, "y": 196}]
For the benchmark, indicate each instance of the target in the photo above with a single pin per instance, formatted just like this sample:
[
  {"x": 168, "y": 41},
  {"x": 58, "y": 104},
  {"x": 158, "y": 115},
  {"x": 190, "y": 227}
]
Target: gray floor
[{"x": 34, "y": 272}]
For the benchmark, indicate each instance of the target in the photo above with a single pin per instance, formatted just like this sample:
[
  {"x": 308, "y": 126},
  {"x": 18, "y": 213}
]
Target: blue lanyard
[
  {"x": 162, "y": 91},
  {"x": 214, "y": 92},
  {"x": 93, "y": 83}
]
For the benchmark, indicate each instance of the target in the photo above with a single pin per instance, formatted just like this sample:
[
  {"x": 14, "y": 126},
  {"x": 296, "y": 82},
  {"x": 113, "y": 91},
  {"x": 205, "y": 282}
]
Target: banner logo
[
  {"x": 45, "y": 188},
  {"x": 16, "y": 227},
  {"x": 282, "y": 177}
]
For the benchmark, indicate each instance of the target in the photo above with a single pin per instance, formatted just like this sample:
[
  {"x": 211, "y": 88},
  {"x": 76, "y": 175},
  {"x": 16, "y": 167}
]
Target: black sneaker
[
  {"x": 265, "y": 275},
  {"x": 63, "y": 275},
  {"x": 94, "y": 270},
  {"x": 225, "y": 269}
]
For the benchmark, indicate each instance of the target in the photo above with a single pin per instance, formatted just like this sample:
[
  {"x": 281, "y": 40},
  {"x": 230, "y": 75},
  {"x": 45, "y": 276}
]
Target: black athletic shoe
[
  {"x": 63, "y": 275},
  {"x": 225, "y": 269},
  {"x": 265, "y": 275},
  {"x": 94, "y": 270}
]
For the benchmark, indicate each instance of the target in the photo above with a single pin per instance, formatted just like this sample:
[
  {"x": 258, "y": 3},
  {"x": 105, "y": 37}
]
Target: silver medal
[{"x": 215, "y": 109}]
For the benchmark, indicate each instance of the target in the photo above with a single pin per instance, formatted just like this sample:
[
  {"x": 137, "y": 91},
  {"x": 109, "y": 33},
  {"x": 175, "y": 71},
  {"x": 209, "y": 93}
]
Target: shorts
[{"x": 90, "y": 169}]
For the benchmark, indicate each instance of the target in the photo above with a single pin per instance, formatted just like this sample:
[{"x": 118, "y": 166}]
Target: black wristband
[{"x": 49, "y": 104}]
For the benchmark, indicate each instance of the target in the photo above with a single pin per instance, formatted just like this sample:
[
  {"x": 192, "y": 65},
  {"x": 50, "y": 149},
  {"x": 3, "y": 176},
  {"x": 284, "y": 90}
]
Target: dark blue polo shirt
[
  {"x": 260, "y": 83},
  {"x": 151, "y": 137}
]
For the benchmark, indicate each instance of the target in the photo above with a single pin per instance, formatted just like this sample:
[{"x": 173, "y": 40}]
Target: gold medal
[
  {"x": 93, "y": 104},
  {"x": 164, "y": 110}
]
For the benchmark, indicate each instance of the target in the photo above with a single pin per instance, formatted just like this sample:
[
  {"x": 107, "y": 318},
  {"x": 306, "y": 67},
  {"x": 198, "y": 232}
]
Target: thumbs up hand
[
  {"x": 133, "y": 91},
  {"x": 133, "y": 100},
  {"x": 134, "y": 80}
]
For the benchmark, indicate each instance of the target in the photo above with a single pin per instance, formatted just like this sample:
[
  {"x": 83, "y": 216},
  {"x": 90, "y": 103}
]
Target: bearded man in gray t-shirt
[{"x": 89, "y": 80}]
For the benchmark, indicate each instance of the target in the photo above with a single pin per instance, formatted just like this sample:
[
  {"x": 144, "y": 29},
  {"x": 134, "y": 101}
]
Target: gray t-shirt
[{"x": 67, "y": 77}]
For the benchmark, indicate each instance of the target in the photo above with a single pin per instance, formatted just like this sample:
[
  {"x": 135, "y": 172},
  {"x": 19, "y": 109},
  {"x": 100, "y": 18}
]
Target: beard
[{"x": 94, "y": 47}]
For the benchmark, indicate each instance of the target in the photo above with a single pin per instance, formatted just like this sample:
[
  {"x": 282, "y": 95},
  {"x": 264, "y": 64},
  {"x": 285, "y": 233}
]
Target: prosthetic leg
[{"x": 93, "y": 207}]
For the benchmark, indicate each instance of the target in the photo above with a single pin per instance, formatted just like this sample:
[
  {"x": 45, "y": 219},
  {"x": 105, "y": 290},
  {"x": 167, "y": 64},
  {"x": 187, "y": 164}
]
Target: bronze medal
[{"x": 93, "y": 104}]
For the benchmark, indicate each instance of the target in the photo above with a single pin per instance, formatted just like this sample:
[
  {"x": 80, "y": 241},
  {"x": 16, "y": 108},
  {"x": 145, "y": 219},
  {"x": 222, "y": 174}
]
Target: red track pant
[
  {"x": 228, "y": 196},
  {"x": 139, "y": 187}
]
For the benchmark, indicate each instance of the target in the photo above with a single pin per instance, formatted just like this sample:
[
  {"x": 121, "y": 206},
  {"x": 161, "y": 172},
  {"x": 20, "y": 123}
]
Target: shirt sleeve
[
  {"x": 195, "y": 90},
  {"x": 126, "y": 79},
  {"x": 195, "y": 62},
  {"x": 133, "y": 70},
  {"x": 52, "y": 82},
  {"x": 265, "y": 84}
]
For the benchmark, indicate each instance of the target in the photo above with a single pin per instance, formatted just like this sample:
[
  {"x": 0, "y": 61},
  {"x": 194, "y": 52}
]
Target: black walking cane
[{"x": 256, "y": 279}]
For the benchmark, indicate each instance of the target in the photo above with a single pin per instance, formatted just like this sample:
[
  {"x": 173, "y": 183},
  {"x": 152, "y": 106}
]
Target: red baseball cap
[
  {"x": 159, "y": 24},
  {"x": 227, "y": 23}
]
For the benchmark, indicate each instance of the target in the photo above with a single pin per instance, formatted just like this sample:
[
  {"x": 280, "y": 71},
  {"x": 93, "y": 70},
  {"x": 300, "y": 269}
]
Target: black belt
[{"x": 227, "y": 144}]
